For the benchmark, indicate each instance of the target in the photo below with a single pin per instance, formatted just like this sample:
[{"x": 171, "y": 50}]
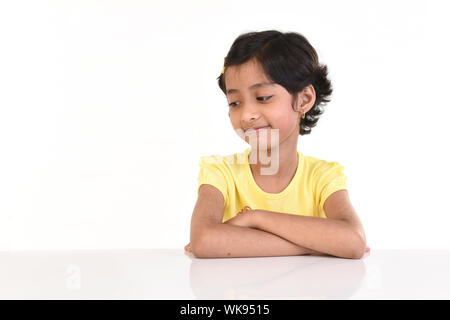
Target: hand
[
  {"x": 245, "y": 209},
  {"x": 244, "y": 222},
  {"x": 244, "y": 218}
]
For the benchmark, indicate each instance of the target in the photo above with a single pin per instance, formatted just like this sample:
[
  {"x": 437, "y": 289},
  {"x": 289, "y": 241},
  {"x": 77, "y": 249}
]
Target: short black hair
[{"x": 287, "y": 59}]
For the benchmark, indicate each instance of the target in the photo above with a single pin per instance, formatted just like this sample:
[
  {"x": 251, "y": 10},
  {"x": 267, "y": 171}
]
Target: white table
[{"x": 174, "y": 274}]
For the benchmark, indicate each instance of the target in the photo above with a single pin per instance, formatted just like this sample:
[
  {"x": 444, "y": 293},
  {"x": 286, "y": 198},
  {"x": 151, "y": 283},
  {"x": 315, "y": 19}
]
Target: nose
[{"x": 250, "y": 113}]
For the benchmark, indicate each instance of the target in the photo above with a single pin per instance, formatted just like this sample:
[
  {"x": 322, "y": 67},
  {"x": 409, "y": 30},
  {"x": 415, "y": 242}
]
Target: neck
[{"x": 286, "y": 164}]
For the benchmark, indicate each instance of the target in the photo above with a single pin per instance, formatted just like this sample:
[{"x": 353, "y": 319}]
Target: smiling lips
[{"x": 257, "y": 129}]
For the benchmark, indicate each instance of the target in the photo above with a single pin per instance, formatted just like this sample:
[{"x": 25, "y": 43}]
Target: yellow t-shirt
[{"x": 313, "y": 182}]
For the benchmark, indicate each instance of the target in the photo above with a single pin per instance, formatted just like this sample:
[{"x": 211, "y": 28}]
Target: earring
[{"x": 303, "y": 116}]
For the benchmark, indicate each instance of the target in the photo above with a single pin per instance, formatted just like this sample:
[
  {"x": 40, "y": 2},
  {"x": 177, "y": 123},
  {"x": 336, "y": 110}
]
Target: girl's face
[{"x": 255, "y": 101}]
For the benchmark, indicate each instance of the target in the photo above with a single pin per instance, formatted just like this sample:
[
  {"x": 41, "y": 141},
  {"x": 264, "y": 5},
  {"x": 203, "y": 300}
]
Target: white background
[{"x": 106, "y": 107}]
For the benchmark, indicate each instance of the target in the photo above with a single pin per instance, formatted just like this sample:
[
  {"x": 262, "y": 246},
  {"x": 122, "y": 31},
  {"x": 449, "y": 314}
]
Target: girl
[{"x": 275, "y": 87}]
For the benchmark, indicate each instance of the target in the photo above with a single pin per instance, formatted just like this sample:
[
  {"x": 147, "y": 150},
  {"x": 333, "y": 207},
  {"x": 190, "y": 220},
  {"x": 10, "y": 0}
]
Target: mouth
[{"x": 257, "y": 129}]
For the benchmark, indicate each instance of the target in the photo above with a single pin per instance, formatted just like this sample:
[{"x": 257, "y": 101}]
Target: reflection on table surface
[
  {"x": 174, "y": 274},
  {"x": 302, "y": 277}
]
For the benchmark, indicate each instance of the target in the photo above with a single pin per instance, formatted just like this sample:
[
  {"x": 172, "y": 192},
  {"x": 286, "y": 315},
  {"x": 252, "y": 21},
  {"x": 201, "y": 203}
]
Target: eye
[
  {"x": 264, "y": 98},
  {"x": 233, "y": 104}
]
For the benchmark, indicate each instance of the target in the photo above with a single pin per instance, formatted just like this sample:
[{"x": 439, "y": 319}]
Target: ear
[
  {"x": 308, "y": 97},
  {"x": 305, "y": 99}
]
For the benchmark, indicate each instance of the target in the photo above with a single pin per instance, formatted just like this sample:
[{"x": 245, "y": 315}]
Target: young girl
[{"x": 271, "y": 199}]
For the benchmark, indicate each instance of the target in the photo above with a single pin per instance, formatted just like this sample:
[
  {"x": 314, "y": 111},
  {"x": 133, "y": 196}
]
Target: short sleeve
[
  {"x": 330, "y": 178},
  {"x": 211, "y": 172}
]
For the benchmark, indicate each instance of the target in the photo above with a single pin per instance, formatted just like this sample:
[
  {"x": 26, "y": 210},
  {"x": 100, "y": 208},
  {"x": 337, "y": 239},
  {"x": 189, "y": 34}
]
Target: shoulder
[
  {"x": 320, "y": 167},
  {"x": 211, "y": 159},
  {"x": 228, "y": 161}
]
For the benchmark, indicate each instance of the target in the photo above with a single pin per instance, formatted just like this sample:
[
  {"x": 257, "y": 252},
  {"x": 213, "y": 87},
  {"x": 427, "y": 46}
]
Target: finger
[{"x": 367, "y": 249}]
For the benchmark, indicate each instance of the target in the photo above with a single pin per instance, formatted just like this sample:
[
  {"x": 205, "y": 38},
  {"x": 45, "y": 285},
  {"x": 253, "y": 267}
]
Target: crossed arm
[{"x": 267, "y": 233}]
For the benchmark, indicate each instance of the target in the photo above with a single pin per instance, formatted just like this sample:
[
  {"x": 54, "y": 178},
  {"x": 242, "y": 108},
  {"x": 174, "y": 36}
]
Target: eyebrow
[{"x": 254, "y": 86}]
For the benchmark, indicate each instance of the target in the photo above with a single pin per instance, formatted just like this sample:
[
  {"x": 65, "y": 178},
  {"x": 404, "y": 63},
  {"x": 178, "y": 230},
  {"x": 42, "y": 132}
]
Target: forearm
[
  {"x": 330, "y": 236},
  {"x": 229, "y": 241}
]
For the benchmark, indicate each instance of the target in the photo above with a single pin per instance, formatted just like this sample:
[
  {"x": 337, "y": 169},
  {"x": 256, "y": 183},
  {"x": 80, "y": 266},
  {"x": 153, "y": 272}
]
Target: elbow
[
  {"x": 199, "y": 249},
  {"x": 358, "y": 246}
]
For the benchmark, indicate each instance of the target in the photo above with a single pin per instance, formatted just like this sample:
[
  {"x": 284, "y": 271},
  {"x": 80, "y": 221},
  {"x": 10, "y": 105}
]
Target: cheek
[
  {"x": 235, "y": 124},
  {"x": 284, "y": 124}
]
